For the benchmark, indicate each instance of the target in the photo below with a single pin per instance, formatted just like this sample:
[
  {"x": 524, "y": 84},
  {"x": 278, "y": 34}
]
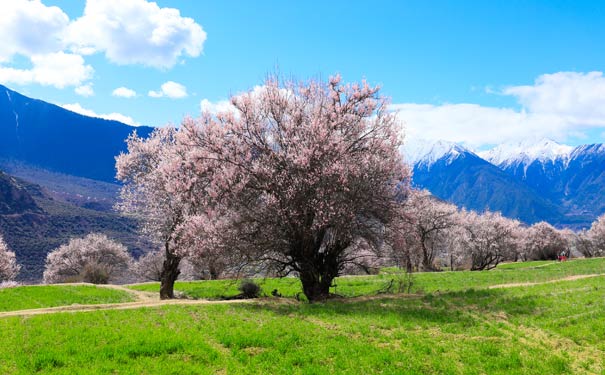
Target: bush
[
  {"x": 94, "y": 258},
  {"x": 249, "y": 289},
  {"x": 95, "y": 274}
]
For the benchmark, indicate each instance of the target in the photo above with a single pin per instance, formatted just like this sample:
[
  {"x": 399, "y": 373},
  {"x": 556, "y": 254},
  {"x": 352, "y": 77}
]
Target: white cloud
[
  {"x": 76, "y": 107},
  {"x": 30, "y": 28},
  {"x": 135, "y": 32},
  {"x": 577, "y": 97},
  {"x": 85, "y": 90},
  {"x": 54, "y": 69},
  {"x": 557, "y": 106},
  {"x": 126, "y": 31},
  {"x": 124, "y": 92},
  {"x": 171, "y": 90},
  {"x": 216, "y": 107}
]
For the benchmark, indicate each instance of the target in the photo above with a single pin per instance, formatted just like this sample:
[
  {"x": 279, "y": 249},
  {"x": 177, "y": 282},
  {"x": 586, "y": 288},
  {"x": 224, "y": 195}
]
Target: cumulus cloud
[
  {"x": 216, "y": 107},
  {"x": 556, "y": 106},
  {"x": 76, "y": 107},
  {"x": 126, "y": 31},
  {"x": 85, "y": 90},
  {"x": 135, "y": 32},
  {"x": 170, "y": 89},
  {"x": 30, "y": 28},
  {"x": 577, "y": 97},
  {"x": 54, "y": 69},
  {"x": 124, "y": 92}
]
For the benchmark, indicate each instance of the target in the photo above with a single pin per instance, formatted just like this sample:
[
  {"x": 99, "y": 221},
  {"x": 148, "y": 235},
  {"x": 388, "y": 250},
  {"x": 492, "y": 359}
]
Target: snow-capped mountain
[
  {"x": 458, "y": 175},
  {"x": 531, "y": 181},
  {"x": 427, "y": 152},
  {"x": 573, "y": 178},
  {"x": 527, "y": 152}
]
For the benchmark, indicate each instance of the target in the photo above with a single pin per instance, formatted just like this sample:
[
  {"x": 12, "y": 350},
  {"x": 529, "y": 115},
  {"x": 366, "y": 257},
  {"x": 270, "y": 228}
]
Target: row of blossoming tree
[
  {"x": 305, "y": 178},
  {"x": 434, "y": 234}
]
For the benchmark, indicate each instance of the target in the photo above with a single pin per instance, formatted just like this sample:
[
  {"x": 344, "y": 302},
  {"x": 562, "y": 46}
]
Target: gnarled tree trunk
[{"x": 170, "y": 272}]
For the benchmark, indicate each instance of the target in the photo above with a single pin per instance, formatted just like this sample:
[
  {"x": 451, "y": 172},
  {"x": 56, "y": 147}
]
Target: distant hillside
[
  {"x": 80, "y": 191},
  {"x": 34, "y": 223},
  {"x": 46, "y": 135}
]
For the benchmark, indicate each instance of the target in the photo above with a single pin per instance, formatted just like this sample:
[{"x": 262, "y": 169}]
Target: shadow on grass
[{"x": 430, "y": 309}]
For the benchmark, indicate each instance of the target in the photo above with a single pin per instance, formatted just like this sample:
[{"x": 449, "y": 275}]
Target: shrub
[
  {"x": 249, "y": 289},
  {"x": 94, "y": 258}
]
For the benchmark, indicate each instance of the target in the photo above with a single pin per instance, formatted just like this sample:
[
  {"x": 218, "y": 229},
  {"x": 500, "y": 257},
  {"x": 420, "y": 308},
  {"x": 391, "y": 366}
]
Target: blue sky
[{"x": 478, "y": 73}]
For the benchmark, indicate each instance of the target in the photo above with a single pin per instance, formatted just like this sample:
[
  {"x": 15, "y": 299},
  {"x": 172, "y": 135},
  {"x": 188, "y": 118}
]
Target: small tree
[
  {"x": 430, "y": 219},
  {"x": 149, "y": 266},
  {"x": 151, "y": 171},
  {"x": 585, "y": 244},
  {"x": 545, "y": 242},
  {"x": 597, "y": 236},
  {"x": 94, "y": 258},
  {"x": 489, "y": 239},
  {"x": 9, "y": 269}
]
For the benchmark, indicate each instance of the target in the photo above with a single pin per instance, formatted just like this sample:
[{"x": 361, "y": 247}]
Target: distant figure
[{"x": 562, "y": 257}]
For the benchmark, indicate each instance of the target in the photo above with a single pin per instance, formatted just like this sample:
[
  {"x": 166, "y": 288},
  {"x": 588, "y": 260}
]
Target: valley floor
[{"x": 522, "y": 318}]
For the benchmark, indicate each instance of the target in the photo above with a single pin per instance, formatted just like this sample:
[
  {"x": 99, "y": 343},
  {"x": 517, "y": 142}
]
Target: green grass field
[
  {"x": 426, "y": 282},
  {"x": 454, "y": 325},
  {"x": 39, "y": 296}
]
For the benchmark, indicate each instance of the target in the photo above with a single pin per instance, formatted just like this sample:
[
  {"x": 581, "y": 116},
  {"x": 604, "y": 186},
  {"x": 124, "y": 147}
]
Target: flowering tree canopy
[
  {"x": 9, "y": 269},
  {"x": 545, "y": 242},
  {"x": 488, "y": 239},
  {"x": 597, "y": 235},
  {"x": 94, "y": 258},
  {"x": 298, "y": 175},
  {"x": 430, "y": 219},
  {"x": 150, "y": 171}
]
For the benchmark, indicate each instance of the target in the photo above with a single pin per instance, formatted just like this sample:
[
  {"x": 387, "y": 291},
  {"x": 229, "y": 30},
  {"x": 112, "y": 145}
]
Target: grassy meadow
[
  {"x": 424, "y": 282},
  {"x": 451, "y": 324},
  {"x": 41, "y": 296}
]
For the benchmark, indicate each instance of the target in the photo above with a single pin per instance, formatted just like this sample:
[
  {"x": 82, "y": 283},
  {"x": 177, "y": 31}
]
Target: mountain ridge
[{"x": 561, "y": 184}]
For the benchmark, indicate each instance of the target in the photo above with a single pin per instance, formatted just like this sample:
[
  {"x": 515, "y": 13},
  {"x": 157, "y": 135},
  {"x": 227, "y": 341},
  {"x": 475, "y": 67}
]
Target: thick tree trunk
[
  {"x": 214, "y": 274},
  {"x": 170, "y": 272},
  {"x": 316, "y": 286}
]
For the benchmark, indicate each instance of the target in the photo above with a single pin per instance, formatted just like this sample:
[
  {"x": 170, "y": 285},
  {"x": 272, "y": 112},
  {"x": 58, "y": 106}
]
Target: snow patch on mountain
[
  {"x": 526, "y": 152},
  {"x": 586, "y": 150},
  {"x": 426, "y": 153}
]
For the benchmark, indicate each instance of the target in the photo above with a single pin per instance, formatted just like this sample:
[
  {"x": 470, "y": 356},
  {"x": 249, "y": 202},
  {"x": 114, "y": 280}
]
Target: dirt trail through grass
[
  {"x": 142, "y": 299},
  {"x": 114, "y": 306},
  {"x": 568, "y": 278}
]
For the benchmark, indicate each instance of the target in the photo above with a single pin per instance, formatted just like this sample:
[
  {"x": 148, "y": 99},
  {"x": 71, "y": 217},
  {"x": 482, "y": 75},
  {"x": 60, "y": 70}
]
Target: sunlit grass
[
  {"x": 553, "y": 328},
  {"x": 34, "y": 297},
  {"x": 423, "y": 282}
]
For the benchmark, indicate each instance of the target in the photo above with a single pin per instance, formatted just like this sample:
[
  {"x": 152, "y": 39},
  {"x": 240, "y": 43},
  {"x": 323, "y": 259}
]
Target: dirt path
[
  {"x": 568, "y": 278},
  {"x": 115, "y": 306},
  {"x": 142, "y": 299}
]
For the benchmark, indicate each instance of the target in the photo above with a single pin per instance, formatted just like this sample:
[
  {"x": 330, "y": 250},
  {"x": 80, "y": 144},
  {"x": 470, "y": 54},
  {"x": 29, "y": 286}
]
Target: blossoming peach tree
[{"x": 299, "y": 177}]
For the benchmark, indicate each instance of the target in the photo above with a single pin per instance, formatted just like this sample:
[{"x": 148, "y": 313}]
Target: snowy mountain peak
[
  {"x": 593, "y": 149},
  {"x": 427, "y": 152},
  {"x": 526, "y": 152}
]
